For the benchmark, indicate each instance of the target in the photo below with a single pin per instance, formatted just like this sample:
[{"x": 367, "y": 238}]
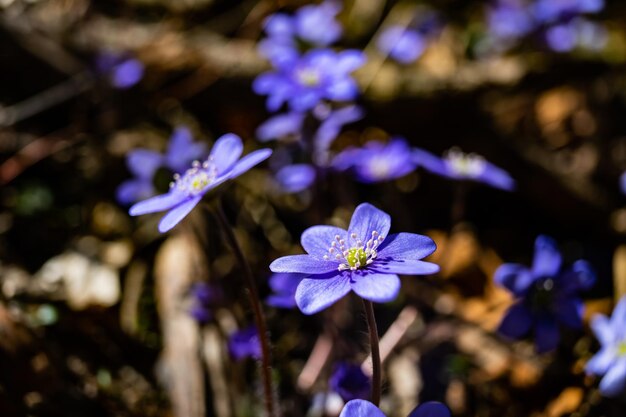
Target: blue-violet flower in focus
[
  {"x": 610, "y": 361},
  {"x": 188, "y": 189},
  {"x": 546, "y": 295},
  {"x": 460, "y": 166},
  {"x": 362, "y": 408},
  {"x": 245, "y": 343},
  {"x": 363, "y": 259},
  {"x": 350, "y": 382}
]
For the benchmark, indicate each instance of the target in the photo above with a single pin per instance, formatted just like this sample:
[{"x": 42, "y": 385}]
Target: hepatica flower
[
  {"x": 303, "y": 81},
  {"x": 122, "y": 70},
  {"x": 284, "y": 290},
  {"x": 610, "y": 361},
  {"x": 510, "y": 19},
  {"x": 144, "y": 164},
  {"x": 363, "y": 259},
  {"x": 377, "y": 161},
  {"x": 362, "y": 408},
  {"x": 461, "y": 166},
  {"x": 546, "y": 295},
  {"x": 350, "y": 382},
  {"x": 189, "y": 188},
  {"x": 245, "y": 343}
]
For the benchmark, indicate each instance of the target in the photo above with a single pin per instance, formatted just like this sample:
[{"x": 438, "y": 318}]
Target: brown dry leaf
[
  {"x": 525, "y": 373},
  {"x": 180, "y": 366},
  {"x": 567, "y": 402},
  {"x": 601, "y": 306},
  {"x": 457, "y": 251}
]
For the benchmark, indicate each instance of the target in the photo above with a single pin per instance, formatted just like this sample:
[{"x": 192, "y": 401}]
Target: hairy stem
[
  {"x": 373, "y": 331},
  {"x": 259, "y": 318}
]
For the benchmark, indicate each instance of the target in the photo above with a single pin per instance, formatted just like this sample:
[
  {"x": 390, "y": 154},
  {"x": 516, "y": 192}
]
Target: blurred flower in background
[
  {"x": 244, "y": 344},
  {"x": 546, "y": 295},
  {"x": 283, "y": 287},
  {"x": 362, "y": 408},
  {"x": 350, "y": 382},
  {"x": 406, "y": 44},
  {"x": 122, "y": 70},
  {"x": 203, "y": 296}
]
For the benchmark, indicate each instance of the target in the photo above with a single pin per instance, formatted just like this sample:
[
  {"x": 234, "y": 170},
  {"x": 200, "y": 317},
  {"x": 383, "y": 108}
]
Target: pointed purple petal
[
  {"x": 367, "y": 219},
  {"x": 431, "y": 409},
  {"x": 249, "y": 161},
  {"x": 379, "y": 288},
  {"x": 496, "y": 177},
  {"x": 360, "y": 408},
  {"x": 314, "y": 295},
  {"x": 547, "y": 260},
  {"x": 601, "y": 361},
  {"x": 404, "y": 266},
  {"x": 406, "y": 246},
  {"x": 430, "y": 162},
  {"x": 618, "y": 318},
  {"x": 614, "y": 381},
  {"x": 303, "y": 264},
  {"x": 601, "y": 326},
  {"x": 174, "y": 216},
  {"x": 516, "y": 322},
  {"x": 317, "y": 240},
  {"x": 514, "y": 277},
  {"x": 226, "y": 152},
  {"x": 158, "y": 203}
]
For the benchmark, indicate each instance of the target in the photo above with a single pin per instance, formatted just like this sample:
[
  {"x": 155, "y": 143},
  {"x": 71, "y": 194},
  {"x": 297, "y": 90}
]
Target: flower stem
[
  {"x": 373, "y": 331},
  {"x": 259, "y": 318}
]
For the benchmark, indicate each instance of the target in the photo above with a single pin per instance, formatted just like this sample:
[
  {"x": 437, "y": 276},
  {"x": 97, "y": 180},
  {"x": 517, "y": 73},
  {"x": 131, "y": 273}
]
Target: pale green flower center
[
  {"x": 308, "y": 77},
  {"x": 465, "y": 165},
  {"x": 196, "y": 179},
  {"x": 357, "y": 255},
  {"x": 621, "y": 349}
]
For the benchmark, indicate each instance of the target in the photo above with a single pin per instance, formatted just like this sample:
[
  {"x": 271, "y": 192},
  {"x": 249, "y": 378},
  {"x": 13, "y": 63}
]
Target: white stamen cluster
[
  {"x": 466, "y": 165},
  {"x": 356, "y": 255},
  {"x": 197, "y": 178}
]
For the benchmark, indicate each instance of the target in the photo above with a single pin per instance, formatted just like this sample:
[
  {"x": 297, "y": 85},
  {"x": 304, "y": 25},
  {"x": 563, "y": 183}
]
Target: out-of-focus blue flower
[
  {"x": 187, "y": 190},
  {"x": 284, "y": 290},
  {"x": 510, "y": 19},
  {"x": 622, "y": 182},
  {"x": 405, "y": 45},
  {"x": 362, "y": 259},
  {"x": 295, "y": 178},
  {"x": 549, "y": 11},
  {"x": 460, "y": 166},
  {"x": 377, "y": 161},
  {"x": 320, "y": 74},
  {"x": 576, "y": 33},
  {"x": 610, "y": 361},
  {"x": 144, "y": 163},
  {"x": 122, "y": 70},
  {"x": 317, "y": 23},
  {"x": 328, "y": 130},
  {"x": 203, "y": 296},
  {"x": 245, "y": 343},
  {"x": 281, "y": 126},
  {"x": 350, "y": 382},
  {"x": 362, "y": 408},
  {"x": 546, "y": 295}
]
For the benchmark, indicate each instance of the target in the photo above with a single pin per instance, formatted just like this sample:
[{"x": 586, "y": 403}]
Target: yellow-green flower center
[
  {"x": 621, "y": 349},
  {"x": 357, "y": 258},
  {"x": 308, "y": 77}
]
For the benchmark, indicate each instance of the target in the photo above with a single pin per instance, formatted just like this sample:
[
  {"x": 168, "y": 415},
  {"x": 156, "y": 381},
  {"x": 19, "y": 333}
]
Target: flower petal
[
  {"x": 295, "y": 178},
  {"x": 404, "y": 266},
  {"x": 516, "y": 322},
  {"x": 406, "y": 246},
  {"x": 158, "y": 203},
  {"x": 514, "y": 277},
  {"x": 379, "y": 288},
  {"x": 367, "y": 219},
  {"x": 430, "y": 162},
  {"x": 580, "y": 276},
  {"x": 431, "y": 409},
  {"x": 317, "y": 240},
  {"x": 614, "y": 381},
  {"x": 496, "y": 177},
  {"x": 360, "y": 408},
  {"x": 314, "y": 295},
  {"x": 601, "y": 361},
  {"x": 143, "y": 162},
  {"x": 174, "y": 216},
  {"x": 547, "y": 260},
  {"x": 601, "y": 326},
  {"x": 226, "y": 152},
  {"x": 569, "y": 311},
  {"x": 303, "y": 264},
  {"x": 134, "y": 190},
  {"x": 249, "y": 161},
  {"x": 546, "y": 334},
  {"x": 618, "y": 318},
  {"x": 280, "y": 126}
]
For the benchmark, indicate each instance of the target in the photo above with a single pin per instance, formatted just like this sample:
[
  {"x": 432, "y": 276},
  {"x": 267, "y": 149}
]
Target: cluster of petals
[
  {"x": 362, "y": 408},
  {"x": 363, "y": 259}
]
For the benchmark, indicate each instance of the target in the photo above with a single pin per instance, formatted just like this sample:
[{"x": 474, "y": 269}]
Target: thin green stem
[
  {"x": 255, "y": 303},
  {"x": 376, "y": 371}
]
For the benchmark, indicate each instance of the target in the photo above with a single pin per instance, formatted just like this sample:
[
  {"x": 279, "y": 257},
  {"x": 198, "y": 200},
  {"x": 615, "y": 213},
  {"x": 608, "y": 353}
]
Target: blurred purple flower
[
  {"x": 405, "y": 45},
  {"x": 281, "y": 126},
  {"x": 122, "y": 70},
  {"x": 509, "y": 19},
  {"x": 245, "y": 343},
  {"x": 203, "y": 296},
  {"x": 362, "y": 259},
  {"x": 460, "y": 166},
  {"x": 550, "y": 11},
  {"x": 330, "y": 127},
  {"x": 377, "y": 161},
  {"x": 610, "y": 361},
  {"x": 295, "y": 178},
  {"x": 317, "y": 23},
  {"x": 576, "y": 33},
  {"x": 144, "y": 163},
  {"x": 187, "y": 190},
  {"x": 284, "y": 290},
  {"x": 546, "y": 293},
  {"x": 362, "y": 408},
  {"x": 350, "y": 382},
  {"x": 622, "y": 182},
  {"x": 317, "y": 75}
]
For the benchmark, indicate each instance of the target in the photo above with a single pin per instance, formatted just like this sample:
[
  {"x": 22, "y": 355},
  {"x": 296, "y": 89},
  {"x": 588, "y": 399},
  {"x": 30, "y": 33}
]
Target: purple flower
[
  {"x": 304, "y": 81},
  {"x": 187, "y": 190},
  {"x": 123, "y": 71},
  {"x": 317, "y": 24},
  {"x": 546, "y": 295},
  {"x": 377, "y": 161},
  {"x": 510, "y": 19},
  {"x": 362, "y": 408},
  {"x": 331, "y": 125},
  {"x": 284, "y": 288},
  {"x": 350, "y": 382},
  {"x": 287, "y": 125},
  {"x": 460, "y": 166},
  {"x": 362, "y": 259},
  {"x": 576, "y": 33},
  {"x": 405, "y": 45},
  {"x": 295, "y": 178},
  {"x": 203, "y": 296},
  {"x": 610, "y": 361},
  {"x": 622, "y": 182},
  {"x": 144, "y": 163},
  {"x": 245, "y": 343},
  {"x": 548, "y": 11}
]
